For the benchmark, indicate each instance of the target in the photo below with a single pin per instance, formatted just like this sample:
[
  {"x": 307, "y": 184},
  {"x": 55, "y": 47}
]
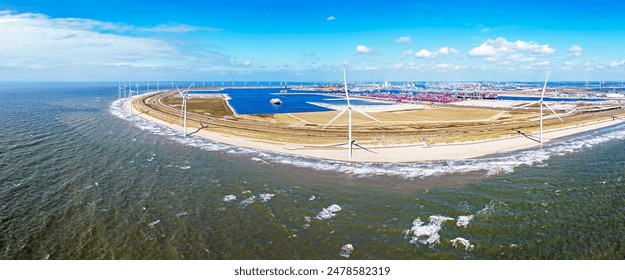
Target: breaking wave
[{"x": 491, "y": 165}]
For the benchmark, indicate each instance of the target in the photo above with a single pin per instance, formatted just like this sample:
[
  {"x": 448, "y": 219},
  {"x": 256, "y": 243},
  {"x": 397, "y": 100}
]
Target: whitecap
[
  {"x": 463, "y": 221},
  {"x": 229, "y": 198},
  {"x": 264, "y": 197},
  {"x": 246, "y": 202},
  {"x": 185, "y": 167},
  {"x": 152, "y": 224},
  {"x": 307, "y": 220},
  {"x": 491, "y": 208},
  {"x": 346, "y": 250},
  {"x": 427, "y": 234},
  {"x": 329, "y": 212},
  {"x": 461, "y": 242}
]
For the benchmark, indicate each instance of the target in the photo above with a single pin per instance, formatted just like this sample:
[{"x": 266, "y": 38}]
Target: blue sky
[{"x": 311, "y": 40}]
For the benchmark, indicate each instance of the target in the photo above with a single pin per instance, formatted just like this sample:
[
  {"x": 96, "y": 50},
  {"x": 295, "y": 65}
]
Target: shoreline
[{"x": 391, "y": 154}]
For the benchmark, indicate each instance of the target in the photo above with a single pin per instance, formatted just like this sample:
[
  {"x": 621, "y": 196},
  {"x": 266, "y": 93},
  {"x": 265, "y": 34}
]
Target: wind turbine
[
  {"x": 349, "y": 108},
  {"x": 119, "y": 90},
  {"x": 185, "y": 96},
  {"x": 130, "y": 97},
  {"x": 541, "y": 102}
]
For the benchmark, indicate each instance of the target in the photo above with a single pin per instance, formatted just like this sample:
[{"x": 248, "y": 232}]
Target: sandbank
[{"x": 392, "y": 153}]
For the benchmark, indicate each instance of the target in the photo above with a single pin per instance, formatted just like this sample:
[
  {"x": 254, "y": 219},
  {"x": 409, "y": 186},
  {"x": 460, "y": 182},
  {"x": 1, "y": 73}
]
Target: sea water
[{"x": 80, "y": 179}]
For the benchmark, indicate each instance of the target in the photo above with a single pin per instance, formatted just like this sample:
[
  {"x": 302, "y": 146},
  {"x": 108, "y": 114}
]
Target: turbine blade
[
  {"x": 530, "y": 104},
  {"x": 181, "y": 111},
  {"x": 189, "y": 87},
  {"x": 362, "y": 112},
  {"x": 179, "y": 90},
  {"x": 554, "y": 112},
  {"x": 544, "y": 86},
  {"x": 337, "y": 116},
  {"x": 345, "y": 84}
]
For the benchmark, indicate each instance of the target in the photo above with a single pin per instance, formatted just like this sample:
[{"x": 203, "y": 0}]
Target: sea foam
[
  {"x": 328, "y": 213},
  {"x": 463, "y": 221},
  {"x": 264, "y": 197},
  {"x": 229, "y": 198},
  {"x": 346, "y": 251},
  {"x": 427, "y": 234},
  {"x": 461, "y": 242}
]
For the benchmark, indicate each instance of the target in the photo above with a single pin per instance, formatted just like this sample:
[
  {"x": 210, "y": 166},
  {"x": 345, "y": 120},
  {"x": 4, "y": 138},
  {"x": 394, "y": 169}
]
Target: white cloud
[
  {"x": 330, "y": 18},
  {"x": 617, "y": 64},
  {"x": 576, "y": 50},
  {"x": 404, "y": 39},
  {"x": 446, "y": 51},
  {"x": 406, "y": 53},
  {"x": 247, "y": 63},
  {"x": 501, "y": 46},
  {"x": 485, "y": 50},
  {"x": 37, "y": 41},
  {"x": 87, "y": 49},
  {"x": 363, "y": 49},
  {"x": 424, "y": 54}
]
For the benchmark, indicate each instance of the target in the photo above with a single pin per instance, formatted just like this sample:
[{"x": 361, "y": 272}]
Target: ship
[{"x": 275, "y": 101}]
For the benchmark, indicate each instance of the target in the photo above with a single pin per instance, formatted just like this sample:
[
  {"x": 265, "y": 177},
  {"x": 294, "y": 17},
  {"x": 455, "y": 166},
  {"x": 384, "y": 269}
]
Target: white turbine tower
[
  {"x": 541, "y": 102},
  {"x": 130, "y": 97},
  {"x": 119, "y": 90},
  {"x": 183, "y": 110},
  {"x": 349, "y": 110}
]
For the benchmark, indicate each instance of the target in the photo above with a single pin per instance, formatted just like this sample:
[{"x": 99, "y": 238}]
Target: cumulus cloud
[
  {"x": 423, "y": 53},
  {"x": 576, "y": 50},
  {"x": 363, "y": 49},
  {"x": 247, "y": 63},
  {"x": 330, "y": 18},
  {"x": 446, "y": 51},
  {"x": 404, "y": 40},
  {"x": 501, "y": 46}
]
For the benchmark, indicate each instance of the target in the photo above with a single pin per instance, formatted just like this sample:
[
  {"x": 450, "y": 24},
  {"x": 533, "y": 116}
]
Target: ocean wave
[{"x": 491, "y": 165}]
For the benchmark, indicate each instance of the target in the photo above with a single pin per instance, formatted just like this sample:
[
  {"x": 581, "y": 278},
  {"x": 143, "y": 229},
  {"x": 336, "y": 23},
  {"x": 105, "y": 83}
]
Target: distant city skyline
[{"x": 311, "y": 40}]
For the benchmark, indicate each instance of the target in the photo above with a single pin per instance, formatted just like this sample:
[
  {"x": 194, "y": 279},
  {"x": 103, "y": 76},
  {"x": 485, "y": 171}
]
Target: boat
[{"x": 275, "y": 101}]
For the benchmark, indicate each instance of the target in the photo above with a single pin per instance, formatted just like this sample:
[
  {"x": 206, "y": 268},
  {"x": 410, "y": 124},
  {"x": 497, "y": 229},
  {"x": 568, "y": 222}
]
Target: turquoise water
[{"x": 81, "y": 180}]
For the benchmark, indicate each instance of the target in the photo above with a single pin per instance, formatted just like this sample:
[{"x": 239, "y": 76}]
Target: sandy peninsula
[{"x": 383, "y": 151}]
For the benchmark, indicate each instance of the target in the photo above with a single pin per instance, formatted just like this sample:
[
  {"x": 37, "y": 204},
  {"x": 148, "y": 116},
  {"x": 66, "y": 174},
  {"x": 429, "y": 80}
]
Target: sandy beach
[{"x": 392, "y": 153}]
